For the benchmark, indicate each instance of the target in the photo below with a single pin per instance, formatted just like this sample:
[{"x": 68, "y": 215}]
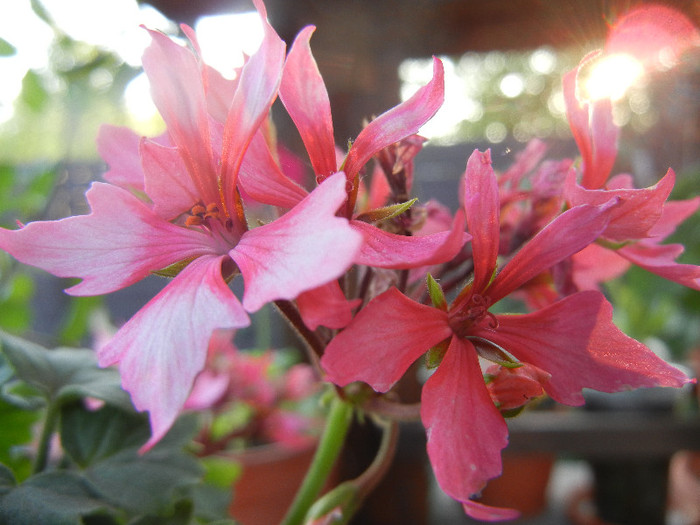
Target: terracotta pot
[
  {"x": 270, "y": 478},
  {"x": 523, "y": 484}
]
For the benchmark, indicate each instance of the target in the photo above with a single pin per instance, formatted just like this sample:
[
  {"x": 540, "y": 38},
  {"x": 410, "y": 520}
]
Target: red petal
[
  {"x": 383, "y": 340},
  {"x": 572, "y": 231},
  {"x": 576, "y": 341},
  {"x": 388, "y": 250},
  {"x": 481, "y": 203},
  {"x": 397, "y": 123},
  {"x": 327, "y": 306},
  {"x": 304, "y": 95},
  {"x": 466, "y": 433}
]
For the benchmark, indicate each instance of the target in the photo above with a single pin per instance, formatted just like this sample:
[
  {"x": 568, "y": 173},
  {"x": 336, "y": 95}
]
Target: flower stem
[
  {"x": 42, "y": 455},
  {"x": 329, "y": 447}
]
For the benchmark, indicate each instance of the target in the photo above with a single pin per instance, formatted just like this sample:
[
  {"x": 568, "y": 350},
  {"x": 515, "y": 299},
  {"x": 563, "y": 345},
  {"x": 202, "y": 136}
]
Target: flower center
[{"x": 473, "y": 313}]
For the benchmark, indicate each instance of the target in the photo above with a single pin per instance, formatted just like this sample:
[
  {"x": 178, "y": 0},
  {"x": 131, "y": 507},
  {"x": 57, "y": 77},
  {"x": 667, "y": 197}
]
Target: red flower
[{"x": 573, "y": 341}]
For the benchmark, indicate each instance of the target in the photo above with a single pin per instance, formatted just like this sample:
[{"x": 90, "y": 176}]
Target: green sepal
[
  {"x": 493, "y": 352},
  {"x": 512, "y": 412},
  {"x": 175, "y": 268},
  {"x": 386, "y": 212},
  {"x": 437, "y": 295},
  {"x": 434, "y": 356}
]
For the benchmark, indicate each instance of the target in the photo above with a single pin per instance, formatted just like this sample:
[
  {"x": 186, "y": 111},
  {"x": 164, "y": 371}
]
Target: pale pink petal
[
  {"x": 119, "y": 148},
  {"x": 594, "y": 265},
  {"x": 209, "y": 388},
  {"x": 167, "y": 182},
  {"x": 656, "y": 35},
  {"x": 387, "y": 335},
  {"x": 637, "y": 211},
  {"x": 576, "y": 342},
  {"x": 481, "y": 204},
  {"x": 327, "y": 306},
  {"x": 660, "y": 259},
  {"x": 569, "y": 233},
  {"x": 256, "y": 91},
  {"x": 178, "y": 93},
  {"x": 466, "y": 432},
  {"x": 305, "y": 248},
  {"x": 482, "y": 512},
  {"x": 304, "y": 95},
  {"x": 261, "y": 178},
  {"x": 397, "y": 123},
  {"x": 119, "y": 243},
  {"x": 163, "y": 347},
  {"x": 388, "y": 250}
]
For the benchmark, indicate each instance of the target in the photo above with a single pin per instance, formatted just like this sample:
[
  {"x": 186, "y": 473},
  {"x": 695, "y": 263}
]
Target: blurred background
[{"x": 69, "y": 66}]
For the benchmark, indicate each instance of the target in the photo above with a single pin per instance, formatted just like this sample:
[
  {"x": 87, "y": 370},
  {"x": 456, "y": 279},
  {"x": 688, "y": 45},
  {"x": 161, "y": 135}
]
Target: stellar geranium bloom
[
  {"x": 572, "y": 343},
  {"x": 192, "y": 227}
]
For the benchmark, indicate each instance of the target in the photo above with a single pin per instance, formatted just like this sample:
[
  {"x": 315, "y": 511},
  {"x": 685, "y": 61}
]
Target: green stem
[
  {"x": 328, "y": 449},
  {"x": 50, "y": 421}
]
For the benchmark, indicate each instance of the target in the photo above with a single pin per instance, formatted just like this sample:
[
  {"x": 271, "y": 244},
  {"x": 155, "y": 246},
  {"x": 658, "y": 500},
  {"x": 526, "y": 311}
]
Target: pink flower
[
  {"x": 572, "y": 343},
  {"x": 192, "y": 226}
]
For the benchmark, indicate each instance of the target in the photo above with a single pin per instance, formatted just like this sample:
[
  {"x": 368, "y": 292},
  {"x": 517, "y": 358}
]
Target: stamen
[{"x": 194, "y": 220}]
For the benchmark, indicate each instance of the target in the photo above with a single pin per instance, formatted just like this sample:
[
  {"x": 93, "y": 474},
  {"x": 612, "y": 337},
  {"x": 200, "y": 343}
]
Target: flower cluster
[{"x": 347, "y": 258}]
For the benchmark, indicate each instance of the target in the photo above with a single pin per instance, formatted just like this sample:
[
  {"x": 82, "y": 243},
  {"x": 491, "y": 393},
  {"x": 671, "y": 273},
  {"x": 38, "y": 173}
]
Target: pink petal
[
  {"x": 593, "y": 129},
  {"x": 163, "y": 347},
  {"x": 653, "y": 34},
  {"x": 119, "y": 148},
  {"x": 167, "y": 182},
  {"x": 594, "y": 265},
  {"x": 389, "y": 250},
  {"x": 569, "y": 233},
  {"x": 673, "y": 214},
  {"x": 576, "y": 342},
  {"x": 384, "y": 339},
  {"x": 482, "y": 512},
  {"x": 397, "y": 123},
  {"x": 119, "y": 243},
  {"x": 305, "y": 248},
  {"x": 327, "y": 306},
  {"x": 304, "y": 95},
  {"x": 261, "y": 178},
  {"x": 208, "y": 389},
  {"x": 481, "y": 203},
  {"x": 638, "y": 209},
  {"x": 178, "y": 93},
  {"x": 256, "y": 91},
  {"x": 466, "y": 433},
  {"x": 660, "y": 260}
]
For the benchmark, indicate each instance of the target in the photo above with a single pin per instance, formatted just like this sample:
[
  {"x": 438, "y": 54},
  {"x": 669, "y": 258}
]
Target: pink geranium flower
[
  {"x": 192, "y": 226},
  {"x": 305, "y": 97},
  {"x": 566, "y": 346}
]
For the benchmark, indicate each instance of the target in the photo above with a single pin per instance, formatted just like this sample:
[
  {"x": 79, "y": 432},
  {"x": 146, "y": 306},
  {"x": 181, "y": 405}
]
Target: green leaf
[
  {"x": 148, "y": 483},
  {"x": 33, "y": 94},
  {"x": 16, "y": 433},
  {"x": 58, "y": 498},
  {"x": 89, "y": 436},
  {"x": 78, "y": 319},
  {"x": 144, "y": 484},
  {"x": 387, "y": 212},
  {"x": 64, "y": 374},
  {"x": 437, "y": 296},
  {"x": 7, "y": 49}
]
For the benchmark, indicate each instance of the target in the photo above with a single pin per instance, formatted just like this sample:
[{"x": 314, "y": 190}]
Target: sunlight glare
[{"x": 612, "y": 76}]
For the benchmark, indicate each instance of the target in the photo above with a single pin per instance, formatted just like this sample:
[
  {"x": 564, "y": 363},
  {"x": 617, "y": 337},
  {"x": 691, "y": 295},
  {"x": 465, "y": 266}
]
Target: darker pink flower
[
  {"x": 191, "y": 226},
  {"x": 572, "y": 343}
]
